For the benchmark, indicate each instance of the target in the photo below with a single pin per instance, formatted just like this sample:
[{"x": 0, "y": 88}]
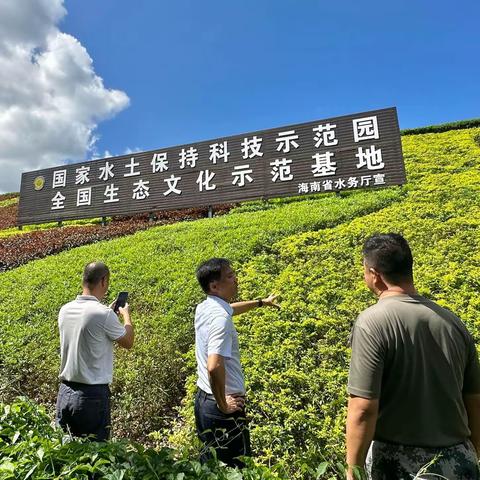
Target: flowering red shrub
[
  {"x": 19, "y": 249},
  {"x": 8, "y": 216}
]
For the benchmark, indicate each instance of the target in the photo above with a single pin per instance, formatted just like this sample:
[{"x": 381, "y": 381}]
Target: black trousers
[
  {"x": 84, "y": 410},
  {"x": 228, "y": 435}
]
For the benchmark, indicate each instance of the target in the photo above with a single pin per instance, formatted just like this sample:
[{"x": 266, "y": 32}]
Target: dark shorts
[
  {"x": 84, "y": 410},
  {"x": 386, "y": 461},
  {"x": 227, "y": 434}
]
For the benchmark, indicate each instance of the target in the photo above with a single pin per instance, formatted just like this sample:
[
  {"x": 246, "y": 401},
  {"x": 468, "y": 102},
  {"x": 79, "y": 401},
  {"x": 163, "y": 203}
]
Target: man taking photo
[{"x": 88, "y": 331}]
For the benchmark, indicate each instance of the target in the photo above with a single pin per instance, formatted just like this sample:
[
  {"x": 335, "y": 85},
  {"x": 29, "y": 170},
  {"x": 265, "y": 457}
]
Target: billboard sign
[{"x": 342, "y": 153}]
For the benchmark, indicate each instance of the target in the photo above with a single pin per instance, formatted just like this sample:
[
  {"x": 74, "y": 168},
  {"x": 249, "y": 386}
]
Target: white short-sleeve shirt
[
  {"x": 87, "y": 332},
  {"x": 216, "y": 333}
]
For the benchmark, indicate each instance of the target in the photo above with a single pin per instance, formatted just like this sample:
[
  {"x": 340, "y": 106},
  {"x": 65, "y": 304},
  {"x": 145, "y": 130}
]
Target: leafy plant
[
  {"x": 295, "y": 360},
  {"x": 37, "y": 241},
  {"x": 30, "y": 448}
]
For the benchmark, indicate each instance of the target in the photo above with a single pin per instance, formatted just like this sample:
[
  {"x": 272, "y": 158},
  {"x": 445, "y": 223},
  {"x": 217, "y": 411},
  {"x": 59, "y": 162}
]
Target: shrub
[
  {"x": 444, "y": 127},
  {"x": 296, "y": 360},
  {"x": 31, "y": 448},
  {"x": 17, "y": 248},
  {"x": 8, "y": 215}
]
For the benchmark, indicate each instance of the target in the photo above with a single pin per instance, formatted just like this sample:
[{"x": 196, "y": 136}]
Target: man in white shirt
[
  {"x": 88, "y": 331},
  {"x": 220, "y": 400}
]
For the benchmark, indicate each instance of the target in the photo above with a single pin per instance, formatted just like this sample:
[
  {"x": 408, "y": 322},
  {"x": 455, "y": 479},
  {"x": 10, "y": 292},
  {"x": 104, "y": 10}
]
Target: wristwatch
[{"x": 260, "y": 302}]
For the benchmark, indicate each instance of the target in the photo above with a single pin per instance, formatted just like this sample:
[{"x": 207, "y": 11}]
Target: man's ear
[
  {"x": 212, "y": 286},
  {"x": 375, "y": 273},
  {"x": 378, "y": 278}
]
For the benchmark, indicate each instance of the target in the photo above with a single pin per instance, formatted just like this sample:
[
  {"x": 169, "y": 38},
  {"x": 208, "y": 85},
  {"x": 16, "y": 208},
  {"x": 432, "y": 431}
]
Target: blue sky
[{"x": 197, "y": 70}]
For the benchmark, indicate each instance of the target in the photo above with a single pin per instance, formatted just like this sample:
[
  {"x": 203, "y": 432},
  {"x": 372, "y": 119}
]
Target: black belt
[
  {"x": 83, "y": 385},
  {"x": 210, "y": 395},
  {"x": 205, "y": 394}
]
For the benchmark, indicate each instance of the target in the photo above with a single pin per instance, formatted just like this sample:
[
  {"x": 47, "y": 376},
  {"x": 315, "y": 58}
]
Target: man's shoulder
[
  {"x": 68, "y": 305},
  {"x": 94, "y": 309},
  {"x": 397, "y": 309},
  {"x": 211, "y": 315},
  {"x": 65, "y": 308},
  {"x": 449, "y": 317},
  {"x": 211, "y": 307},
  {"x": 375, "y": 320},
  {"x": 374, "y": 313}
]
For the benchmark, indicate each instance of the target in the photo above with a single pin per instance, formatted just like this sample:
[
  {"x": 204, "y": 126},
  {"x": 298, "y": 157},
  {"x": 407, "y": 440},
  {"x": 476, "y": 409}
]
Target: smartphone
[{"x": 120, "y": 301}]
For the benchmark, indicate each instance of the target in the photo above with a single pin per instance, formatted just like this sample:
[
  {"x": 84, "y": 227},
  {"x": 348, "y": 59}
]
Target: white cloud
[
  {"x": 51, "y": 100},
  {"x": 129, "y": 150},
  {"x": 96, "y": 155}
]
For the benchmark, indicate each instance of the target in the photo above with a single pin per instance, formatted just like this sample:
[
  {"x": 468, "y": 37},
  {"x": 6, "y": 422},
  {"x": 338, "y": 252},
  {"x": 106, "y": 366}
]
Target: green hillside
[{"x": 295, "y": 360}]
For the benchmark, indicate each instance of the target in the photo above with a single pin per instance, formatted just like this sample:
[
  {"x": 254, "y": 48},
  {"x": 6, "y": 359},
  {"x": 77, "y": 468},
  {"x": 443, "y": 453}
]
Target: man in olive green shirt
[{"x": 414, "y": 379}]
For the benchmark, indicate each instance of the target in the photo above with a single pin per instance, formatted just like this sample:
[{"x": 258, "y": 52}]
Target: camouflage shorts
[{"x": 386, "y": 461}]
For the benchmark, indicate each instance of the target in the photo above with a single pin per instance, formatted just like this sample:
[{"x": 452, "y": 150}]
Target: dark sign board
[{"x": 342, "y": 153}]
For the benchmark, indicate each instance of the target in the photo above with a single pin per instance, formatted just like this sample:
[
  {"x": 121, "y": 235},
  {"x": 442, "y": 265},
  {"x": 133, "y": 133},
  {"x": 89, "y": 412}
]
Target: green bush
[
  {"x": 444, "y": 127},
  {"x": 32, "y": 449},
  {"x": 8, "y": 201},
  {"x": 295, "y": 361}
]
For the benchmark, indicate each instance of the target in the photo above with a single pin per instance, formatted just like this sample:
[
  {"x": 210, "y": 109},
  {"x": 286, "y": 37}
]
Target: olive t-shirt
[{"x": 418, "y": 359}]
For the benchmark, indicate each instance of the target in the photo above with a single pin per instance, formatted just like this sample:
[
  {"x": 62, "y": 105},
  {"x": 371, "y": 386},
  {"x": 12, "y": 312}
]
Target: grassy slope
[
  {"x": 157, "y": 267},
  {"x": 296, "y": 361}
]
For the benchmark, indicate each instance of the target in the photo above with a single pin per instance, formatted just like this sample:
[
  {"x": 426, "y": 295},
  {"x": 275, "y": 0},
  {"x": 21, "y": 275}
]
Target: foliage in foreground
[{"x": 31, "y": 449}]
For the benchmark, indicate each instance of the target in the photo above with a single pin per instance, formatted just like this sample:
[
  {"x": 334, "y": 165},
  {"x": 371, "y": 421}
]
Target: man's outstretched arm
[{"x": 242, "y": 307}]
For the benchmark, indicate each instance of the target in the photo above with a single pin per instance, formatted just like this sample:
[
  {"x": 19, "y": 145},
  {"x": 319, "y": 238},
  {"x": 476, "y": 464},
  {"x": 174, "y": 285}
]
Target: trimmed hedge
[
  {"x": 8, "y": 215},
  {"x": 38, "y": 241},
  {"x": 8, "y": 202},
  {"x": 8, "y": 196},
  {"x": 443, "y": 127}
]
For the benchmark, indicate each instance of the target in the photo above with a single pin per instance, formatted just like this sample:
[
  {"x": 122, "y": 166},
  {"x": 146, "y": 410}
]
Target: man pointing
[{"x": 220, "y": 400}]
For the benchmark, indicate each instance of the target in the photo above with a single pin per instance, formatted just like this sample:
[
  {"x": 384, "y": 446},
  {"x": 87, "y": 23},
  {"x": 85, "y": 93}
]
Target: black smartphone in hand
[{"x": 120, "y": 302}]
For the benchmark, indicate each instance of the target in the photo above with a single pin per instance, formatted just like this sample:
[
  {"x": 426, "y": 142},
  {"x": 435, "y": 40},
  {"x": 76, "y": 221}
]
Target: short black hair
[
  {"x": 211, "y": 270},
  {"x": 94, "y": 272},
  {"x": 390, "y": 255}
]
